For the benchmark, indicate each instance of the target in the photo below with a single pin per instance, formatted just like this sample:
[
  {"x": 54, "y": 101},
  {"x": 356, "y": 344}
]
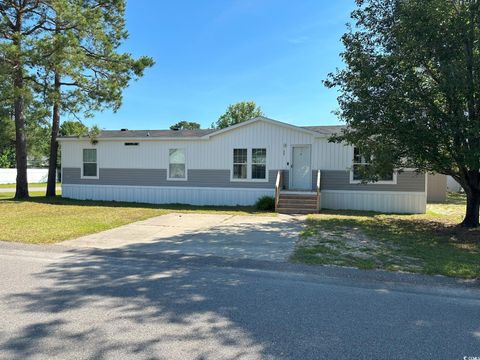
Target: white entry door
[{"x": 301, "y": 169}]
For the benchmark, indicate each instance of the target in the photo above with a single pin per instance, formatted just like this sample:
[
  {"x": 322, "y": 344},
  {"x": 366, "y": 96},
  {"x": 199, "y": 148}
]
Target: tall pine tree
[
  {"x": 81, "y": 65},
  {"x": 21, "y": 23}
]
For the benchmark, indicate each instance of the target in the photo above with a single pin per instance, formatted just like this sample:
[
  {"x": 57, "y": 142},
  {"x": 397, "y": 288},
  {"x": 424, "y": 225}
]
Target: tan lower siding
[
  {"x": 158, "y": 177},
  {"x": 407, "y": 181}
]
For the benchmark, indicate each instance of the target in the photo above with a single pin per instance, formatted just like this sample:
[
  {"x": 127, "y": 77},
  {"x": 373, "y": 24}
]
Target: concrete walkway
[{"x": 241, "y": 237}]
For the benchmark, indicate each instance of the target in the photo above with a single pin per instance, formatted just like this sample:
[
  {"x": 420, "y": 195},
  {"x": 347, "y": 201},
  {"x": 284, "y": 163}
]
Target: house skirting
[
  {"x": 166, "y": 195},
  {"x": 381, "y": 201}
]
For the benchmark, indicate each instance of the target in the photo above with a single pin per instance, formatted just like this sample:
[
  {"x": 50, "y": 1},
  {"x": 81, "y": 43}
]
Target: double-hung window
[
  {"x": 249, "y": 164},
  {"x": 240, "y": 163},
  {"x": 177, "y": 164},
  {"x": 360, "y": 167},
  {"x": 90, "y": 163},
  {"x": 259, "y": 163}
]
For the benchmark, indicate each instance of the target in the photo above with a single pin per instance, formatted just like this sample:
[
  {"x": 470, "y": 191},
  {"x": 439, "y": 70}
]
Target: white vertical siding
[
  {"x": 214, "y": 153},
  {"x": 331, "y": 156}
]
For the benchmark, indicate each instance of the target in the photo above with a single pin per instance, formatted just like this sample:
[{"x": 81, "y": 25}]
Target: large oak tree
[{"x": 410, "y": 91}]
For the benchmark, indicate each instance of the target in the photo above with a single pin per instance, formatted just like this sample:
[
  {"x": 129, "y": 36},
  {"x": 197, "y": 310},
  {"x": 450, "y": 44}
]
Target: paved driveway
[{"x": 241, "y": 237}]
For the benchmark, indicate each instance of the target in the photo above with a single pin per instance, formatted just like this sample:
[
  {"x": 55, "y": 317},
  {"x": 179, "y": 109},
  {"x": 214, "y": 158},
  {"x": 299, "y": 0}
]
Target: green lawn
[
  {"x": 428, "y": 243},
  {"x": 43, "y": 221},
  {"x": 12, "y": 186}
]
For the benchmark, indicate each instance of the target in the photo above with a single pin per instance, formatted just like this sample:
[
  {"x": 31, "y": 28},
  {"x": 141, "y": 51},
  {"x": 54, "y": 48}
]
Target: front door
[{"x": 301, "y": 170}]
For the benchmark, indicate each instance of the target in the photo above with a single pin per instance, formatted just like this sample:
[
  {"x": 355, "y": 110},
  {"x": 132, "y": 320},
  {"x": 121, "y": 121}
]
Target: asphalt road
[{"x": 58, "y": 303}]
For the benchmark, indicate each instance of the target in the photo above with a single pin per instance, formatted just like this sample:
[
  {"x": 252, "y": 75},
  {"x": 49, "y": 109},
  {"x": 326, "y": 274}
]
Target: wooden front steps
[{"x": 297, "y": 203}]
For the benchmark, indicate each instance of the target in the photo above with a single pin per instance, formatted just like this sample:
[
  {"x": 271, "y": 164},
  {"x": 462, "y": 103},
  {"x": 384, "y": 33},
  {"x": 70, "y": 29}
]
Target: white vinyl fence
[{"x": 9, "y": 176}]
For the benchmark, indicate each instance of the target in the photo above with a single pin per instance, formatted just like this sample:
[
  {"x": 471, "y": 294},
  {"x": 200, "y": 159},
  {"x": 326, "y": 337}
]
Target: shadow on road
[
  {"x": 101, "y": 304},
  {"x": 148, "y": 307}
]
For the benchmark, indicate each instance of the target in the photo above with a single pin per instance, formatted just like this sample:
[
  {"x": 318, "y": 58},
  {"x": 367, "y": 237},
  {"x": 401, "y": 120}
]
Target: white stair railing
[
  {"x": 318, "y": 190},
  {"x": 278, "y": 187}
]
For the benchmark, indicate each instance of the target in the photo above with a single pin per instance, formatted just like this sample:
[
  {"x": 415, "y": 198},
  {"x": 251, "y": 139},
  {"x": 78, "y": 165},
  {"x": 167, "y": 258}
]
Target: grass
[
  {"x": 41, "y": 220},
  {"x": 430, "y": 243},
  {"x": 12, "y": 186}
]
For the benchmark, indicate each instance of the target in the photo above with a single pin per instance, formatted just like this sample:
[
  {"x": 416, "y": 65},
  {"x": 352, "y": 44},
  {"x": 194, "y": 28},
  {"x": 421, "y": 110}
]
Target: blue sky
[{"x": 212, "y": 53}]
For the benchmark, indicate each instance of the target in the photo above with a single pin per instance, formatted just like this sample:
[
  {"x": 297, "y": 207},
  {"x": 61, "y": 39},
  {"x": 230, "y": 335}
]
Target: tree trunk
[
  {"x": 52, "y": 165},
  {"x": 20, "y": 138},
  {"x": 473, "y": 206}
]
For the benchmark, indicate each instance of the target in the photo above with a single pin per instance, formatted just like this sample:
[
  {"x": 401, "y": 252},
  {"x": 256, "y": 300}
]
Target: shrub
[{"x": 265, "y": 203}]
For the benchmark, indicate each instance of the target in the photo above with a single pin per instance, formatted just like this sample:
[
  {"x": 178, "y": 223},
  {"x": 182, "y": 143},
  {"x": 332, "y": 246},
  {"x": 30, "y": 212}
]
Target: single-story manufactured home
[{"x": 233, "y": 166}]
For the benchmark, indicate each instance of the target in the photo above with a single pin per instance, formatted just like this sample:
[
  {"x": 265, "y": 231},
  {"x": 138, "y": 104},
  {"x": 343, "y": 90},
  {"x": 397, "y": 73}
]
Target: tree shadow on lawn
[
  {"x": 404, "y": 243},
  {"x": 455, "y": 198},
  {"x": 411, "y": 224}
]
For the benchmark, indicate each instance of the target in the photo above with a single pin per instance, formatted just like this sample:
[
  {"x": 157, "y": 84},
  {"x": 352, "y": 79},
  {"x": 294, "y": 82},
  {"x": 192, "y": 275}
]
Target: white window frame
[
  {"x": 168, "y": 165},
  {"x": 380, "y": 182},
  {"x": 96, "y": 155},
  {"x": 249, "y": 164}
]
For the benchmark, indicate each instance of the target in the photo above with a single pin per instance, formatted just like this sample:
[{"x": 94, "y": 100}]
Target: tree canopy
[
  {"x": 7, "y": 125},
  {"x": 36, "y": 125},
  {"x": 410, "y": 91},
  {"x": 62, "y": 57},
  {"x": 185, "y": 125},
  {"x": 80, "y": 63},
  {"x": 21, "y": 23},
  {"x": 237, "y": 113},
  {"x": 73, "y": 128}
]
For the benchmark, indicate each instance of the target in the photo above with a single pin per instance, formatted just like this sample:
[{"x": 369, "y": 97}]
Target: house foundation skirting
[
  {"x": 381, "y": 201},
  {"x": 166, "y": 195}
]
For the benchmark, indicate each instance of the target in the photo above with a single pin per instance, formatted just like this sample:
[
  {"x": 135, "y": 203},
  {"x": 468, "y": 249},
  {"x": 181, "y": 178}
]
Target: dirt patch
[
  {"x": 345, "y": 245},
  {"x": 430, "y": 243}
]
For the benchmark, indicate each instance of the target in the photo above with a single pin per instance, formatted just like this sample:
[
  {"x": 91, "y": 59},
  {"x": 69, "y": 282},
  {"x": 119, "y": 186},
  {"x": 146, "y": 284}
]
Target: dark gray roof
[
  {"x": 326, "y": 129},
  {"x": 129, "y": 134},
  {"x": 108, "y": 134}
]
